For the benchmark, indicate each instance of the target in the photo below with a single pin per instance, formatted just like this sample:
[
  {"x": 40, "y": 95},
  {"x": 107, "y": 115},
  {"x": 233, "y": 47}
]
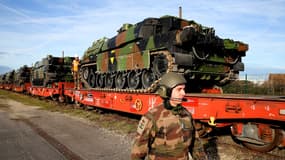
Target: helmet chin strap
[
  {"x": 167, "y": 104},
  {"x": 179, "y": 99}
]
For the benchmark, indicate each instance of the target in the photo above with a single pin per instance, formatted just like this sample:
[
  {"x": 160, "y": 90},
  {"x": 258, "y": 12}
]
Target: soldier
[
  {"x": 75, "y": 64},
  {"x": 166, "y": 131}
]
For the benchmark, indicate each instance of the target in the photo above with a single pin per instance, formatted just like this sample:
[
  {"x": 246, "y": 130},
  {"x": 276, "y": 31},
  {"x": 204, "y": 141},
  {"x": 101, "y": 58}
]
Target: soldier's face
[{"x": 177, "y": 95}]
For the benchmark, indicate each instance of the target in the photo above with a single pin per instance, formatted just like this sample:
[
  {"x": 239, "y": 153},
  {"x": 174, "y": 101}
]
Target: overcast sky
[{"x": 31, "y": 29}]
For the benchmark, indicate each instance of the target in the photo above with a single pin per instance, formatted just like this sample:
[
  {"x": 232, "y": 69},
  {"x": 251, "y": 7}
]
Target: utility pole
[{"x": 180, "y": 12}]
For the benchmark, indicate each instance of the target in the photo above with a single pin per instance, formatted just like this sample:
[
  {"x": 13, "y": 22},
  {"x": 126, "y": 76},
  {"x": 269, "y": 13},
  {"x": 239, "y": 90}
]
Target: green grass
[
  {"x": 25, "y": 99},
  {"x": 111, "y": 121}
]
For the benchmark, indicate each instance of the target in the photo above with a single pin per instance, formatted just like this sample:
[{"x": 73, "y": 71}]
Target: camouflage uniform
[{"x": 164, "y": 134}]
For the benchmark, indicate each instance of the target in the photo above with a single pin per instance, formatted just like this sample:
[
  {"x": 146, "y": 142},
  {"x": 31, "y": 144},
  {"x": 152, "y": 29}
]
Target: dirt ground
[
  {"x": 86, "y": 140},
  {"x": 78, "y": 136}
]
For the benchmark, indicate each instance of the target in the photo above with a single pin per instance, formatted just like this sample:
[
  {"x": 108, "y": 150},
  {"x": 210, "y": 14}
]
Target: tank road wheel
[
  {"x": 109, "y": 81},
  {"x": 148, "y": 78},
  {"x": 120, "y": 80},
  {"x": 133, "y": 80},
  {"x": 100, "y": 80},
  {"x": 160, "y": 65},
  {"x": 85, "y": 73},
  {"x": 92, "y": 79}
]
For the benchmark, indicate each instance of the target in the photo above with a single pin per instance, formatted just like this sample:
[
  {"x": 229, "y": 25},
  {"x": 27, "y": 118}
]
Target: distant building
[
  {"x": 277, "y": 83},
  {"x": 276, "y": 79}
]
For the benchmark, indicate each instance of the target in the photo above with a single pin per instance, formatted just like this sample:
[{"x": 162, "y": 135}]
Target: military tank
[
  {"x": 9, "y": 78},
  {"x": 2, "y": 79},
  {"x": 51, "y": 69},
  {"x": 22, "y": 75},
  {"x": 137, "y": 57}
]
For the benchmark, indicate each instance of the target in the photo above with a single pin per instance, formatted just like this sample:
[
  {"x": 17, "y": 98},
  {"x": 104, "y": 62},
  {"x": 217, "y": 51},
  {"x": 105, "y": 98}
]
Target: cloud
[
  {"x": 14, "y": 11},
  {"x": 3, "y": 53}
]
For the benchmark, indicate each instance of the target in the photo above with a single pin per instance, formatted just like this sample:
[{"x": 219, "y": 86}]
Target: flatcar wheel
[
  {"x": 77, "y": 104},
  {"x": 133, "y": 80},
  {"x": 22, "y": 87},
  {"x": 61, "y": 99},
  {"x": 109, "y": 81},
  {"x": 120, "y": 80},
  {"x": 54, "y": 97},
  {"x": 100, "y": 80},
  {"x": 269, "y": 136},
  {"x": 92, "y": 79},
  {"x": 148, "y": 78}
]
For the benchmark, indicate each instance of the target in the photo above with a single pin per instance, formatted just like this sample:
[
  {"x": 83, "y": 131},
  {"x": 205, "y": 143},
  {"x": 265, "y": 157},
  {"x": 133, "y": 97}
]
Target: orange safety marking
[{"x": 138, "y": 104}]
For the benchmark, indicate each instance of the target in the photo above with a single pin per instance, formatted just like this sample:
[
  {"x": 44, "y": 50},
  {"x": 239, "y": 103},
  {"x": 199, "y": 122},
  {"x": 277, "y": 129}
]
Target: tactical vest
[{"x": 172, "y": 134}]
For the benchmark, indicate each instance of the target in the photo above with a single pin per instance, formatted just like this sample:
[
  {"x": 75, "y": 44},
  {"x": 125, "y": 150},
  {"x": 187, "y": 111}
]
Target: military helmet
[{"x": 168, "y": 82}]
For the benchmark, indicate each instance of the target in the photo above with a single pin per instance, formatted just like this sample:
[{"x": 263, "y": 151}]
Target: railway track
[{"x": 241, "y": 152}]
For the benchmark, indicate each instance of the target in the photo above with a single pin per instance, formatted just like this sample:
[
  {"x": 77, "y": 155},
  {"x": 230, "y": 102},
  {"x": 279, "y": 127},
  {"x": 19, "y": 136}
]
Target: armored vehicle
[
  {"x": 136, "y": 58},
  {"x": 9, "y": 78},
  {"x": 2, "y": 80},
  {"x": 51, "y": 69},
  {"x": 22, "y": 75}
]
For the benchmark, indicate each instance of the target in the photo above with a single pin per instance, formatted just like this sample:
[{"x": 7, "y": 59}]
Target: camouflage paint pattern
[
  {"x": 163, "y": 134},
  {"x": 130, "y": 48},
  {"x": 158, "y": 45},
  {"x": 9, "y": 77},
  {"x": 22, "y": 75},
  {"x": 52, "y": 69}
]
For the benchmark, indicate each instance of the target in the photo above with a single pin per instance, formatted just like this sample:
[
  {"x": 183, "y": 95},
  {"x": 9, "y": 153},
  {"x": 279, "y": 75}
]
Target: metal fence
[{"x": 256, "y": 84}]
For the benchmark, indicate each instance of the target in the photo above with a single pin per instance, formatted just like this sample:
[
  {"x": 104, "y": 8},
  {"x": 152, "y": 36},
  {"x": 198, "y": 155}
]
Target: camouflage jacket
[{"x": 163, "y": 134}]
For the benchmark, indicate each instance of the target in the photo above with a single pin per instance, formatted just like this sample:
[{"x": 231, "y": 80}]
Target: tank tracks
[{"x": 150, "y": 89}]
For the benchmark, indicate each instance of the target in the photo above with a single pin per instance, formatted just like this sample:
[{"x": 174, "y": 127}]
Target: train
[{"x": 122, "y": 73}]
